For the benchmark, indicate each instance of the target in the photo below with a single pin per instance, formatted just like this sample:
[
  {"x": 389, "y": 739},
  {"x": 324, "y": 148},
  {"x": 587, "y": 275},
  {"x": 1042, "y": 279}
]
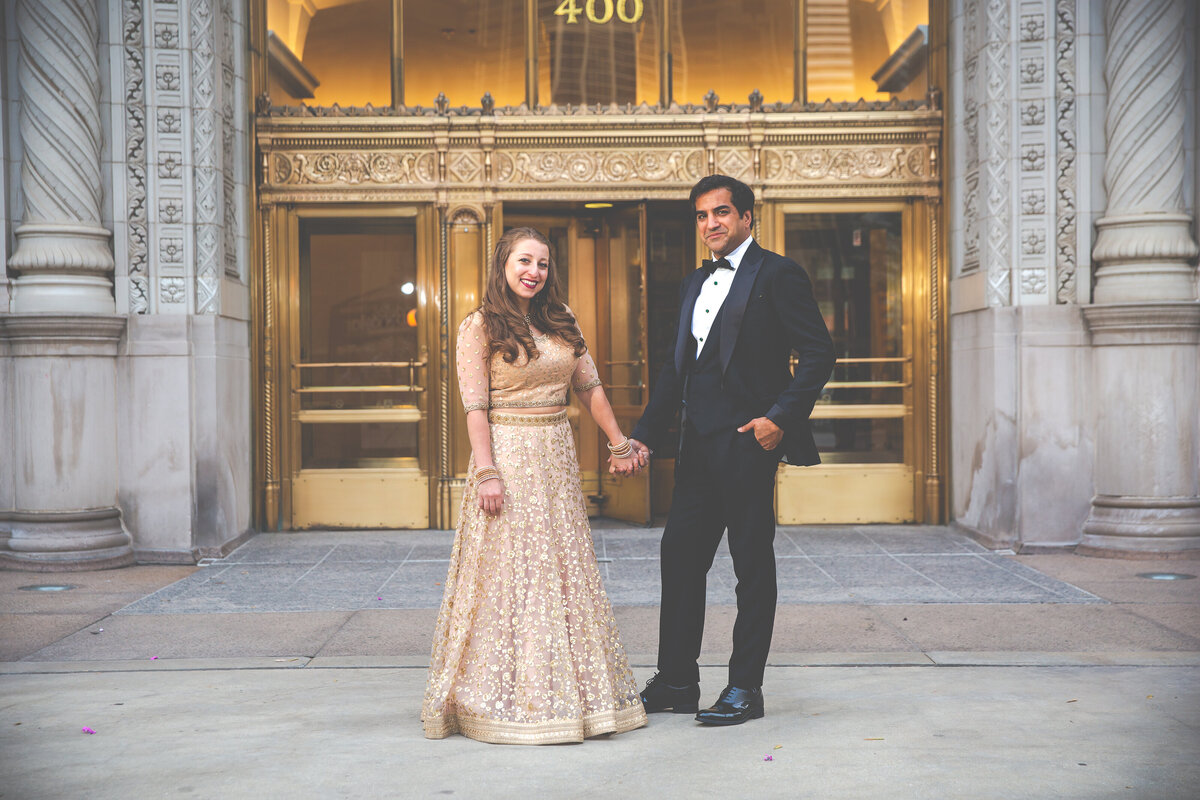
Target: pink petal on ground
[
  {"x": 768, "y": 758},
  {"x": 86, "y": 730},
  {"x": 154, "y": 658}
]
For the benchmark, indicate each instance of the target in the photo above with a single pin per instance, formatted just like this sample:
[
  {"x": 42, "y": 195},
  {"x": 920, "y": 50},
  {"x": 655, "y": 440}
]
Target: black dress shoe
[
  {"x": 659, "y": 696},
  {"x": 734, "y": 707}
]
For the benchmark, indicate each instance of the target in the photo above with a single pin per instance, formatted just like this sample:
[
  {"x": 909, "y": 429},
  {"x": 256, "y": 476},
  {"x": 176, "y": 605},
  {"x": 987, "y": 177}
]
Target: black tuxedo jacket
[{"x": 769, "y": 311}]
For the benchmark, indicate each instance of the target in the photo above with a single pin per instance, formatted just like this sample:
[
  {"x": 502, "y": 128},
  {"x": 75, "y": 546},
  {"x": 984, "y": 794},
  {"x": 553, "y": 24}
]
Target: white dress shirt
[{"x": 713, "y": 294}]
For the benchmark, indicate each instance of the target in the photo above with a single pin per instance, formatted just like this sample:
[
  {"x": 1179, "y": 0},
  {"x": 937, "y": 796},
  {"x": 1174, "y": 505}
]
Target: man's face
[{"x": 719, "y": 223}]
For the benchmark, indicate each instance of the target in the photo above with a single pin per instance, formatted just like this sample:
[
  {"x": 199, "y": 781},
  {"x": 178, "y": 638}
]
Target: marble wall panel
[
  {"x": 1054, "y": 422},
  {"x": 64, "y": 407},
  {"x": 983, "y": 435},
  {"x": 7, "y": 424},
  {"x": 186, "y": 460},
  {"x": 155, "y": 437},
  {"x": 1152, "y": 387},
  {"x": 221, "y": 433},
  {"x": 8, "y": 75},
  {"x": 1023, "y": 413}
]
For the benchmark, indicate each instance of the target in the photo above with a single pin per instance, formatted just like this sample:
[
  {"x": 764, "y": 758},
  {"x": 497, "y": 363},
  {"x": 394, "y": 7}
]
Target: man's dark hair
[{"x": 743, "y": 195}]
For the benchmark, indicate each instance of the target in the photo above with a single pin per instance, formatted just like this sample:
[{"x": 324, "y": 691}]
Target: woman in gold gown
[{"x": 526, "y": 650}]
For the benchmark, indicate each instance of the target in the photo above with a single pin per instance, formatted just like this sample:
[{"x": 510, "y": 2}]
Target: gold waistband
[{"x": 500, "y": 418}]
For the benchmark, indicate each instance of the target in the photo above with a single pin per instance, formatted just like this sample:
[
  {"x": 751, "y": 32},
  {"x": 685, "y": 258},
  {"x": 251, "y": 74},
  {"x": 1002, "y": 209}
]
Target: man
[{"x": 741, "y": 316}]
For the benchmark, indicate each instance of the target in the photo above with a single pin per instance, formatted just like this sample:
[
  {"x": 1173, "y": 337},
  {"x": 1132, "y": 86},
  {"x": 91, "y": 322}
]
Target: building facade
[{"x": 239, "y": 237}]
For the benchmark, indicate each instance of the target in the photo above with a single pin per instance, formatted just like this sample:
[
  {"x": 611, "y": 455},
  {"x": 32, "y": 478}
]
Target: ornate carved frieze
[
  {"x": 353, "y": 169},
  {"x": 169, "y": 156},
  {"x": 324, "y": 159},
  {"x": 997, "y": 82},
  {"x": 137, "y": 232},
  {"x": 1034, "y": 89},
  {"x": 232, "y": 142},
  {"x": 1066, "y": 237},
  {"x": 848, "y": 163},
  {"x": 616, "y": 166},
  {"x": 205, "y": 155},
  {"x": 1018, "y": 55}
]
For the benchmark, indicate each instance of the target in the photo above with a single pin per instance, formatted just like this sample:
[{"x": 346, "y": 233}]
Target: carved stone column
[
  {"x": 63, "y": 258},
  {"x": 61, "y": 341},
  {"x": 1144, "y": 245},
  {"x": 1145, "y": 323}
]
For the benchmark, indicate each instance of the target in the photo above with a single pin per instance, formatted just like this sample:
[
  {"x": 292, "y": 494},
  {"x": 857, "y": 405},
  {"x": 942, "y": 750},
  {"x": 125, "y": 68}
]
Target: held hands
[
  {"x": 631, "y": 464},
  {"x": 766, "y": 432}
]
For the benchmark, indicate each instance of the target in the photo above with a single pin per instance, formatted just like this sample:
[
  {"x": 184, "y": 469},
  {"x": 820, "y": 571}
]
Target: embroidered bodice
[{"x": 525, "y": 383}]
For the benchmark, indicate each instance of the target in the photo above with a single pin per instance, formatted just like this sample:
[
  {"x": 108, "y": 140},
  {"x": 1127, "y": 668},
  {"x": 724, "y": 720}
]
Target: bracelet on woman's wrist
[
  {"x": 484, "y": 474},
  {"x": 622, "y": 450}
]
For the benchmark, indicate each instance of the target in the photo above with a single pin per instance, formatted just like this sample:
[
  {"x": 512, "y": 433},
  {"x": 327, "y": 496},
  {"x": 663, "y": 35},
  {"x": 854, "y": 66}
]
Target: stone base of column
[
  {"x": 1146, "y": 360},
  {"x": 58, "y": 541},
  {"x": 1144, "y": 258},
  {"x": 63, "y": 268},
  {"x": 1148, "y": 527},
  {"x": 60, "y": 381}
]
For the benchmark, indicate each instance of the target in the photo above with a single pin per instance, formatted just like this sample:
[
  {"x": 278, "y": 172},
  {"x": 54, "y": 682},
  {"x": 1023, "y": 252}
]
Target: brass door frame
[
  {"x": 281, "y": 341},
  {"x": 922, "y": 333}
]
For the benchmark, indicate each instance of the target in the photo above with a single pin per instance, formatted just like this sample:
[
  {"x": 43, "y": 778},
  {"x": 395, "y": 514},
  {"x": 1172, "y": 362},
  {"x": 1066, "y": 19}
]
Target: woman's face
[{"x": 527, "y": 268}]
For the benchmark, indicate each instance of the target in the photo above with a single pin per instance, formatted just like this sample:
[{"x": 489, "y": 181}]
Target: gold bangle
[
  {"x": 484, "y": 474},
  {"x": 621, "y": 450}
]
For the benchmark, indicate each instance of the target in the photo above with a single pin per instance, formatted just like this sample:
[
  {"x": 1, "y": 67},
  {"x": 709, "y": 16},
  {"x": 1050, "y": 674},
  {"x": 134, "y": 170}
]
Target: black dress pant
[{"x": 724, "y": 480}]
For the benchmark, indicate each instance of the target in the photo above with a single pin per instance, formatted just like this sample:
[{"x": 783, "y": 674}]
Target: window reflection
[
  {"x": 732, "y": 47},
  {"x": 333, "y": 51},
  {"x": 464, "y": 48},
  {"x": 862, "y": 49},
  {"x": 598, "y": 51}
]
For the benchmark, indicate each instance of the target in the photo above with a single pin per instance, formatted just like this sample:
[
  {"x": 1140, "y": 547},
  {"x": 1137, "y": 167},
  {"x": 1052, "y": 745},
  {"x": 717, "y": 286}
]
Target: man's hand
[{"x": 768, "y": 434}]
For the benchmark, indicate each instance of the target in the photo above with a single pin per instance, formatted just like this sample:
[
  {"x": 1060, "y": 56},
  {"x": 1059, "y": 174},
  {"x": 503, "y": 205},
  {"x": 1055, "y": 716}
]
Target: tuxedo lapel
[
  {"x": 685, "y": 318},
  {"x": 734, "y": 307}
]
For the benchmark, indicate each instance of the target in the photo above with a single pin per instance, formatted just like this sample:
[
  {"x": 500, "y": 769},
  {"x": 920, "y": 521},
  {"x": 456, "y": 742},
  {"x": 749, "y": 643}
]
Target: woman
[{"x": 526, "y": 650}]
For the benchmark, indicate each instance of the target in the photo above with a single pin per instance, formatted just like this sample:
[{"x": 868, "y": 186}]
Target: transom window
[{"x": 587, "y": 52}]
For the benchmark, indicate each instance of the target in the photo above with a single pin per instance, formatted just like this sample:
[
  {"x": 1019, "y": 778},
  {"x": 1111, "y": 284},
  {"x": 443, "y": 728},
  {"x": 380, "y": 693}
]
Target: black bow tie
[{"x": 712, "y": 266}]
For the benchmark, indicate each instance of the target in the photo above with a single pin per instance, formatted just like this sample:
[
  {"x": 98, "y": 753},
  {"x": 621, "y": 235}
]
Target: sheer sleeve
[
  {"x": 585, "y": 376},
  {"x": 471, "y": 358}
]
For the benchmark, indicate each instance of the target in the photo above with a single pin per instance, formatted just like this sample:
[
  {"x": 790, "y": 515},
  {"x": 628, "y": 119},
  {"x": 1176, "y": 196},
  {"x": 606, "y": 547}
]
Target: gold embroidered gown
[{"x": 526, "y": 650}]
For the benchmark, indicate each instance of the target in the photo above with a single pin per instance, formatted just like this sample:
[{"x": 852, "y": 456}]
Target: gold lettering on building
[{"x": 600, "y": 12}]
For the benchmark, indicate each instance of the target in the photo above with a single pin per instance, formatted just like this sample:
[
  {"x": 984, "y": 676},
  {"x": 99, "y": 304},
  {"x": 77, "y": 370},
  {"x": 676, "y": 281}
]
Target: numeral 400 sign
[{"x": 600, "y": 11}]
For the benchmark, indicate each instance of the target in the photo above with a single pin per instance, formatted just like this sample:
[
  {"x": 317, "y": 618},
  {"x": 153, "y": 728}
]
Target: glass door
[
  {"x": 621, "y": 301},
  {"x": 357, "y": 400},
  {"x": 857, "y": 259}
]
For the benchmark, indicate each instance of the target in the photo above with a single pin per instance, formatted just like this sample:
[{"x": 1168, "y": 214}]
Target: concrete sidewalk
[{"x": 907, "y": 662}]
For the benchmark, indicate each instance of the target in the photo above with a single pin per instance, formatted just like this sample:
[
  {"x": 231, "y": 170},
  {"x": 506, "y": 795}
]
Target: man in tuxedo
[{"x": 742, "y": 410}]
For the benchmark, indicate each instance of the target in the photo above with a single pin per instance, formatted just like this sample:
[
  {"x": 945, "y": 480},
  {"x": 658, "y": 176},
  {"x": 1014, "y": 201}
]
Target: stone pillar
[
  {"x": 63, "y": 258},
  {"x": 1145, "y": 323},
  {"x": 63, "y": 336}
]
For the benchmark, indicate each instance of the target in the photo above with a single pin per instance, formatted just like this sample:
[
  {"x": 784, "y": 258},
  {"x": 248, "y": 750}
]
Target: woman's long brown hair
[{"x": 507, "y": 330}]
